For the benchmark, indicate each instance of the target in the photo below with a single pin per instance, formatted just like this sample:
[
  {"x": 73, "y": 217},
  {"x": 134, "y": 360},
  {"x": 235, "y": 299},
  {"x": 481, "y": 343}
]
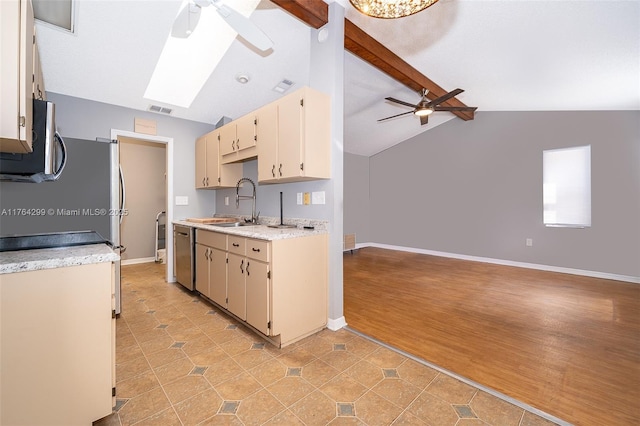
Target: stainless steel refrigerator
[{"x": 88, "y": 196}]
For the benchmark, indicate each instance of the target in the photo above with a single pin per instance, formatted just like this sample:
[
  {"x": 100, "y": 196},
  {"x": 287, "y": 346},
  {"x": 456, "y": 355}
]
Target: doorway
[{"x": 162, "y": 181}]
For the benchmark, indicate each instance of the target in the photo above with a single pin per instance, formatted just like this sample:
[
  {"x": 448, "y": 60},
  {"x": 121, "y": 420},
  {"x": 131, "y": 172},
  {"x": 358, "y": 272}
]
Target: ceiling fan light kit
[
  {"x": 426, "y": 107},
  {"x": 390, "y": 9}
]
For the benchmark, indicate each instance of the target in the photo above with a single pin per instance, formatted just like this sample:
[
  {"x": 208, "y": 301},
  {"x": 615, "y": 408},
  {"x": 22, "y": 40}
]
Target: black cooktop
[{"x": 51, "y": 240}]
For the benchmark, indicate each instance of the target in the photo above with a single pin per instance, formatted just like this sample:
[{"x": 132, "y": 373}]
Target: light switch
[
  {"x": 317, "y": 197},
  {"x": 182, "y": 200}
]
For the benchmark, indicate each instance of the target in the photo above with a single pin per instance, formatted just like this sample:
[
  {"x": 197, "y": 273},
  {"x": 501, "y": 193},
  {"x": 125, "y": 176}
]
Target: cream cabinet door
[
  {"x": 228, "y": 139},
  {"x": 267, "y": 143},
  {"x": 218, "y": 277},
  {"x": 202, "y": 269},
  {"x": 245, "y": 132},
  {"x": 213, "y": 162},
  {"x": 289, "y": 136},
  {"x": 201, "y": 162},
  {"x": 257, "y": 288},
  {"x": 236, "y": 290}
]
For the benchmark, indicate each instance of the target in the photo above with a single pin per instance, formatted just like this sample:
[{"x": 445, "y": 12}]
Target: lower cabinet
[
  {"x": 277, "y": 287},
  {"x": 57, "y": 351}
]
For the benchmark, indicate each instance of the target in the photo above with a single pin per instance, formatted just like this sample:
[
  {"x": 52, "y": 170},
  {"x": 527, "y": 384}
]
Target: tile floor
[{"x": 180, "y": 361}]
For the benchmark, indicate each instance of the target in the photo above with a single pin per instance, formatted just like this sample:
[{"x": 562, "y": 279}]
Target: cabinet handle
[
  {"x": 235, "y": 245},
  {"x": 248, "y": 268},
  {"x": 255, "y": 249},
  {"x": 204, "y": 182},
  {"x": 206, "y": 254},
  {"x": 242, "y": 266},
  {"x": 273, "y": 170},
  {"x": 238, "y": 144},
  {"x": 207, "y": 180},
  {"x": 280, "y": 170},
  {"x": 233, "y": 145}
]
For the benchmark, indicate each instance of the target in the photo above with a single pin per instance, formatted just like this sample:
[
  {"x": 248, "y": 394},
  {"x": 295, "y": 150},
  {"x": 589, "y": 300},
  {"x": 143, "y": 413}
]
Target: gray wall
[
  {"x": 83, "y": 119},
  {"x": 357, "y": 210},
  {"x": 475, "y": 188}
]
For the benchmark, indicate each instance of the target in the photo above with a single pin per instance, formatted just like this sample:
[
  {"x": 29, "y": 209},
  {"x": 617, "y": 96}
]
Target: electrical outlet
[
  {"x": 182, "y": 200},
  {"x": 226, "y": 201},
  {"x": 529, "y": 242},
  {"x": 306, "y": 198},
  {"x": 299, "y": 198}
]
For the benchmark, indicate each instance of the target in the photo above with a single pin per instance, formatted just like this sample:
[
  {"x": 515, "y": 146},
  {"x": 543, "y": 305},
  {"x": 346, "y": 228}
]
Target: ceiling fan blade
[
  {"x": 445, "y": 108},
  {"x": 424, "y": 119},
  {"x": 244, "y": 27},
  {"x": 397, "y": 115},
  {"x": 186, "y": 21},
  {"x": 401, "y": 102},
  {"x": 446, "y": 97}
]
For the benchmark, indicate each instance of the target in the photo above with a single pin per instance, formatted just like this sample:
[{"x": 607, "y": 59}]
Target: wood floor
[{"x": 565, "y": 344}]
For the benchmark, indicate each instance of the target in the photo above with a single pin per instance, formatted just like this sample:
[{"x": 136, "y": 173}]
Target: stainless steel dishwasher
[{"x": 183, "y": 255}]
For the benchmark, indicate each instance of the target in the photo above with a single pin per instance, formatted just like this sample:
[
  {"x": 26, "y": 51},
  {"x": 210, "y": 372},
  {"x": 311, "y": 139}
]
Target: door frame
[{"x": 115, "y": 133}]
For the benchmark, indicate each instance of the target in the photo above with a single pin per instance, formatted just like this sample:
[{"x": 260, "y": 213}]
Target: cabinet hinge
[
  {"x": 227, "y": 260},
  {"x": 269, "y": 325},
  {"x": 218, "y": 138},
  {"x": 255, "y": 137},
  {"x": 218, "y": 180},
  {"x": 301, "y": 166},
  {"x": 113, "y": 313},
  {"x": 255, "y": 121},
  {"x": 301, "y": 102},
  {"x": 113, "y": 391},
  {"x": 226, "y": 300},
  {"x": 269, "y": 275},
  {"x": 22, "y": 121}
]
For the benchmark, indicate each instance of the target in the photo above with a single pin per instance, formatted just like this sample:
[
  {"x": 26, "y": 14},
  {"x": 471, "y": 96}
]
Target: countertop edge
[{"x": 60, "y": 257}]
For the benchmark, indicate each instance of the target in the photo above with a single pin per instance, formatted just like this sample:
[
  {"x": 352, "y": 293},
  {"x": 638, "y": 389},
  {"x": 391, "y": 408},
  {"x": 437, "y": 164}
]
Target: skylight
[{"x": 185, "y": 64}]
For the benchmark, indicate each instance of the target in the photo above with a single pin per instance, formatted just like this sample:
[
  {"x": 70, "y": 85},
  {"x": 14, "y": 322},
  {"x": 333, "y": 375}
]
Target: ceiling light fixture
[
  {"x": 423, "y": 112},
  {"x": 389, "y": 9}
]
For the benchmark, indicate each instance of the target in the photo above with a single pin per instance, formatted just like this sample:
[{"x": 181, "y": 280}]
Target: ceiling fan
[
  {"x": 425, "y": 107},
  {"x": 187, "y": 20}
]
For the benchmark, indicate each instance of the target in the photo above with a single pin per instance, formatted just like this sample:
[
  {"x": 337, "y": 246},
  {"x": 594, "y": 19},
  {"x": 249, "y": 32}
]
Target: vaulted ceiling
[{"x": 506, "y": 55}]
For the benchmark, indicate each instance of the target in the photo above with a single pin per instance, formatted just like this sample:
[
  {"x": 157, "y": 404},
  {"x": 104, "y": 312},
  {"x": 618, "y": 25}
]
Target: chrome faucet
[{"x": 254, "y": 216}]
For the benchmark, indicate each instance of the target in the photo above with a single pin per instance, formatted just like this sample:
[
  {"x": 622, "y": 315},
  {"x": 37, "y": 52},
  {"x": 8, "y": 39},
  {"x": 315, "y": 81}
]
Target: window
[{"x": 567, "y": 187}]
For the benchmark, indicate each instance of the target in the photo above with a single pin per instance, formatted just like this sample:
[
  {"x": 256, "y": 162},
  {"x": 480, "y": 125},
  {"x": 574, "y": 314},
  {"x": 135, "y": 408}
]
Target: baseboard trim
[
  {"x": 137, "y": 261},
  {"x": 336, "y": 324},
  {"x": 594, "y": 274}
]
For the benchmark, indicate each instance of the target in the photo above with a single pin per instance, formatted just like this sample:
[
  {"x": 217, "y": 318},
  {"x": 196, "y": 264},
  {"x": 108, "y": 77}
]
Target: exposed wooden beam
[{"x": 315, "y": 13}]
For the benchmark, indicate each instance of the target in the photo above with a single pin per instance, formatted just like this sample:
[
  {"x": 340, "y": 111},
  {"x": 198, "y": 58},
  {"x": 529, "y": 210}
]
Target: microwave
[{"x": 47, "y": 160}]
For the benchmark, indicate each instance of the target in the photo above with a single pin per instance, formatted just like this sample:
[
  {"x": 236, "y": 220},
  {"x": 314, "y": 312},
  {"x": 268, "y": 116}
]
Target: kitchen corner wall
[
  {"x": 84, "y": 119},
  {"x": 475, "y": 188}
]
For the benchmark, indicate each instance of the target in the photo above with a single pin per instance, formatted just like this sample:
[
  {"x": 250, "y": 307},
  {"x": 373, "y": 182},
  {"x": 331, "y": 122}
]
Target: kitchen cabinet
[
  {"x": 16, "y": 84},
  {"x": 210, "y": 173},
  {"x": 238, "y": 139},
  {"x": 302, "y": 148},
  {"x": 278, "y": 287},
  {"x": 58, "y": 345},
  {"x": 38, "y": 77},
  {"x": 211, "y": 266}
]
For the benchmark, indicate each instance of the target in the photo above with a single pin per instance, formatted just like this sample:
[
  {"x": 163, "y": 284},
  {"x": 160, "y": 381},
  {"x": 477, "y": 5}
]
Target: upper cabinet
[
  {"x": 290, "y": 137},
  {"x": 210, "y": 173},
  {"x": 17, "y": 67},
  {"x": 301, "y": 147},
  {"x": 238, "y": 139}
]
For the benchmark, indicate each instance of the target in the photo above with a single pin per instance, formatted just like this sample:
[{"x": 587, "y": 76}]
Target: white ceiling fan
[{"x": 187, "y": 20}]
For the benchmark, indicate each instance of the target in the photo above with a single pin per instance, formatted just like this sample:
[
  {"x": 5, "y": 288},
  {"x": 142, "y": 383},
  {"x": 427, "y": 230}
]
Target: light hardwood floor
[{"x": 565, "y": 344}]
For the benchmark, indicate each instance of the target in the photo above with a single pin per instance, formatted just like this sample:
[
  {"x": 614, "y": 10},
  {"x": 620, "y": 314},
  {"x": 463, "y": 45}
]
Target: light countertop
[
  {"x": 33, "y": 260},
  {"x": 260, "y": 232}
]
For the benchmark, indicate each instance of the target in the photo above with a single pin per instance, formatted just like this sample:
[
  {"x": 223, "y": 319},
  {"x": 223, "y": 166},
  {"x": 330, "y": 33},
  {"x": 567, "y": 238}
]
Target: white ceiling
[{"x": 507, "y": 55}]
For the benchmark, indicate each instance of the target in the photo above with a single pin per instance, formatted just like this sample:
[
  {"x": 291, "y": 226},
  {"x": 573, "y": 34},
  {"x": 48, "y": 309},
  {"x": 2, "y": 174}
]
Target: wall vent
[{"x": 160, "y": 109}]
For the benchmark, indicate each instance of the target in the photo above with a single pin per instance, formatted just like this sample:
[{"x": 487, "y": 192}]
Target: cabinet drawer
[
  {"x": 211, "y": 239},
  {"x": 258, "y": 249},
  {"x": 237, "y": 245}
]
